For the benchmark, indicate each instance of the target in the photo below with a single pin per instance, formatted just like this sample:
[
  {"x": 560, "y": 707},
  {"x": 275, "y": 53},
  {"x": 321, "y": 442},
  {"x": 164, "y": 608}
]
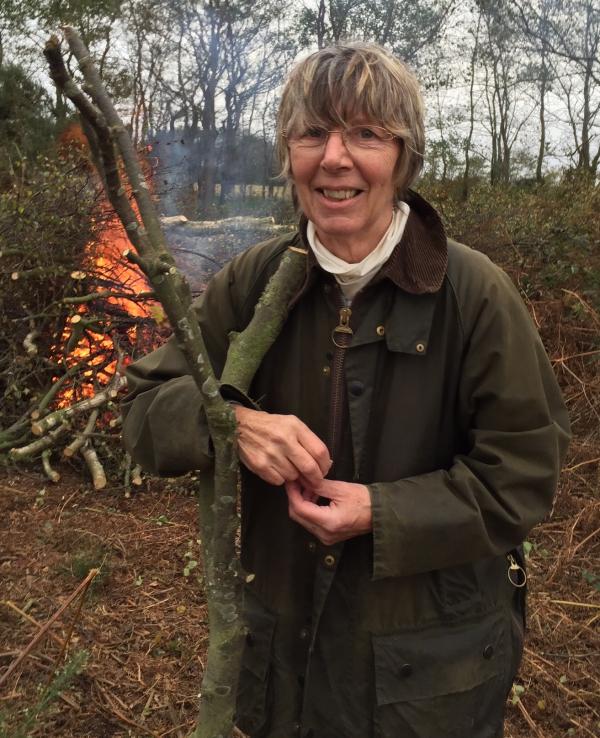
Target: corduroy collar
[{"x": 418, "y": 263}]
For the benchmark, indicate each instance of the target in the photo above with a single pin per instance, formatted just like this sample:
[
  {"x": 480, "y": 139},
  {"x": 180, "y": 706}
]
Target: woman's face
[{"x": 347, "y": 193}]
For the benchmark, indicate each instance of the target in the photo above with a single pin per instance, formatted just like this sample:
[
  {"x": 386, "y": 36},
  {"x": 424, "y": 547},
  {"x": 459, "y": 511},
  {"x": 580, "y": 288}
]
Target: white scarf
[{"x": 353, "y": 277}]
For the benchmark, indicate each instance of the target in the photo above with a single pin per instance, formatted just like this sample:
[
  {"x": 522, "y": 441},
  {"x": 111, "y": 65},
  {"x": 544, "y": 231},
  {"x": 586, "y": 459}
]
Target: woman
[{"x": 405, "y": 433}]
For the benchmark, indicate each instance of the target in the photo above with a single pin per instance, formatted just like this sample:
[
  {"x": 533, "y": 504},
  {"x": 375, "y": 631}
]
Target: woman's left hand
[{"x": 347, "y": 515}]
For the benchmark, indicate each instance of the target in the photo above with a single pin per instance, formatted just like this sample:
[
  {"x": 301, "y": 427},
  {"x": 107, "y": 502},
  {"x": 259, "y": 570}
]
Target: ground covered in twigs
[{"x": 143, "y": 623}]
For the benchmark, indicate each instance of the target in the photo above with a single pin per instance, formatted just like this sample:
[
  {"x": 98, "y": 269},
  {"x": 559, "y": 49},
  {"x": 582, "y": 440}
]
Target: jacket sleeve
[
  {"x": 164, "y": 424},
  {"x": 492, "y": 495}
]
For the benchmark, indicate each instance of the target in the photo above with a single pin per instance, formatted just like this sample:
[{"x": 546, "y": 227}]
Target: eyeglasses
[{"x": 357, "y": 138}]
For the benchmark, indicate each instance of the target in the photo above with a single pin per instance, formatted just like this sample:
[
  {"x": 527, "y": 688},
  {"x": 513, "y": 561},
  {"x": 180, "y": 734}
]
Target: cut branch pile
[
  {"x": 53, "y": 429},
  {"x": 62, "y": 345}
]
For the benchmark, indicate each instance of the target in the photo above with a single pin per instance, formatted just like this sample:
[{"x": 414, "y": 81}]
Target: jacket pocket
[
  {"x": 445, "y": 681},
  {"x": 252, "y": 699}
]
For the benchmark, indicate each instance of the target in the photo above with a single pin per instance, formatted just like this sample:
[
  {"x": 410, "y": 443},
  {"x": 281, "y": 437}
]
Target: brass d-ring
[
  {"x": 335, "y": 343},
  {"x": 517, "y": 576}
]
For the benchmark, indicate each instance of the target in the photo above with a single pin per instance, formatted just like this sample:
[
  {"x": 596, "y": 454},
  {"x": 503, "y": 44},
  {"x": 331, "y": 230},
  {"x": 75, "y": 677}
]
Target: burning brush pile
[
  {"x": 74, "y": 312},
  {"x": 71, "y": 311}
]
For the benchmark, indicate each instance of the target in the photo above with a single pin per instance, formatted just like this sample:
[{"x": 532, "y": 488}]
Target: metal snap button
[
  {"x": 356, "y": 388},
  {"x": 329, "y": 561},
  {"x": 420, "y": 347},
  {"x": 488, "y": 652},
  {"x": 406, "y": 670},
  {"x": 326, "y": 371},
  {"x": 380, "y": 330}
]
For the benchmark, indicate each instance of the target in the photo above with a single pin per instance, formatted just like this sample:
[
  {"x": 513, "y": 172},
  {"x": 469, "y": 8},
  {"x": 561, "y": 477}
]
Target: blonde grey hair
[{"x": 336, "y": 84}]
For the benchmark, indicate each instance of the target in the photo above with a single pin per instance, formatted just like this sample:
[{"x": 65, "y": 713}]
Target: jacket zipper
[{"x": 341, "y": 336}]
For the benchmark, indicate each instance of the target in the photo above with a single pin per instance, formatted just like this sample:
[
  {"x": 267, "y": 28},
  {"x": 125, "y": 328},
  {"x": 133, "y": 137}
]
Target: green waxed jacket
[{"x": 443, "y": 402}]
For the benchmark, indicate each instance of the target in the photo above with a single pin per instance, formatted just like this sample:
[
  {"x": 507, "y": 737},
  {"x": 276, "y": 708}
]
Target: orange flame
[{"x": 103, "y": 264}]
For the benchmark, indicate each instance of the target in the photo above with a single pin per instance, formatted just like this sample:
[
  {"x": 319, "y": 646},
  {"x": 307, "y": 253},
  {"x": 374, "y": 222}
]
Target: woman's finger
[
  {"x": 315, "y": 448},
  {"x": 305, "y": 465}
]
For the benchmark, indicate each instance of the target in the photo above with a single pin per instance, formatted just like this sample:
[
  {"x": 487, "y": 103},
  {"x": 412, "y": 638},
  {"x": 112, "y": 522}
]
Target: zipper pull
[
  {"x": 517, "y": 576},
  {"x": 343, "y": 327}
]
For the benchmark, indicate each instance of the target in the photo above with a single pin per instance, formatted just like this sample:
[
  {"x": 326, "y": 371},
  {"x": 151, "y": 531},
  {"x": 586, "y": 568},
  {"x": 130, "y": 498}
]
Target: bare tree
[
  {"x": 569, "y": 32},
  {"x": 408, "y": 27},
  {"x": 471, "y": 76},
  {"x": 144, "y": 22},
  {"x": 504, "y": 76}
]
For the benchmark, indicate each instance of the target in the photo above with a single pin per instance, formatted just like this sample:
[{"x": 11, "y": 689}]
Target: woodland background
[{"x": 512, "y": 164}]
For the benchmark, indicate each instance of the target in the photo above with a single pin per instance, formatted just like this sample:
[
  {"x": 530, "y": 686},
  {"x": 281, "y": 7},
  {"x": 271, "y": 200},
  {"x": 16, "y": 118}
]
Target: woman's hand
[
  {"x": 280, "y": 448},
  {"x": 347, "y": 515}
]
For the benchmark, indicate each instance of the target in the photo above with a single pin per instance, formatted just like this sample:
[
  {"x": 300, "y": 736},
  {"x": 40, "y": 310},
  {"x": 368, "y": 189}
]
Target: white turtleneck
[{"x": 353, "y": 277}]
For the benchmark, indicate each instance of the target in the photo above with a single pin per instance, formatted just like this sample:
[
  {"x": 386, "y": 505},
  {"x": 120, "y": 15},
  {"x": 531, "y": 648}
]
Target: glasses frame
[{"x": 344, "y": 133}]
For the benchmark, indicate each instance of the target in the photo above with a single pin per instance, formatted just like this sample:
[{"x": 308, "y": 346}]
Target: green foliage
[
  {"x": 516, "y": 693},
  {"x": 26, "y": 125},
  {"x": 83, "y": 561},
  {"x": 592, "y": 579},
  {"x": 190, "y": 564},
  {"x": 46, "y": 207},
  {"x": 190, "y": 559},
  {"x": 22, "y": 725},
  {"x": 546, "y": 232},
  {"x": 94, "y": 18}
]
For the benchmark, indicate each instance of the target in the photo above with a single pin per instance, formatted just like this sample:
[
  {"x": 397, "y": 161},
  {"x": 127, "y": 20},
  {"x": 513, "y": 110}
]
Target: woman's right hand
[{"x": 280, "y": 448}]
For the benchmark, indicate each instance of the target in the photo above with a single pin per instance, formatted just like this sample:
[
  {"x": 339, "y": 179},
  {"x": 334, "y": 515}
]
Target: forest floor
[{"x": 143, "y": 621}]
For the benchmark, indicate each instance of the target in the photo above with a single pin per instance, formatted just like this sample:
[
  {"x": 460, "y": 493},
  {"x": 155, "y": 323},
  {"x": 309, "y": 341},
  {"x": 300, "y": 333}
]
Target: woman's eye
[
  {"x": 315, "y": 133},
  {"x": 366, "y": 133}
]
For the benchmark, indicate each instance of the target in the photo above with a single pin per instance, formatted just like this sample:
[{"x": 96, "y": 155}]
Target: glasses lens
[
  {"x": 368, "y": 137},
  {"x": 310, "y": 137},
  {"x": 356, "y": 137}
]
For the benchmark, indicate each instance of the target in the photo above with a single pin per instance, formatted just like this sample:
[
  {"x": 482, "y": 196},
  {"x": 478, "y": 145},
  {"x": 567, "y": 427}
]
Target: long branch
[
  {"x": 217, "y": 497},
  {"x": 80, "y": 590}
]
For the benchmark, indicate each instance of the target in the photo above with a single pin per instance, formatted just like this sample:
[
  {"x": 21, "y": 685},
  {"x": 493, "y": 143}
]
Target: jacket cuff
[{"x": 387, "y": 534}]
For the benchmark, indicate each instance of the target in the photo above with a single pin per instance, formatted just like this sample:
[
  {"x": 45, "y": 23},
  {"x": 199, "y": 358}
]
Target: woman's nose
[{"x": 335, "y": 153}]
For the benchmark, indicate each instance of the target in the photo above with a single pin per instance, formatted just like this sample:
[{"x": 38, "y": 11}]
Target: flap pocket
[{"x": 440, "y": 660}]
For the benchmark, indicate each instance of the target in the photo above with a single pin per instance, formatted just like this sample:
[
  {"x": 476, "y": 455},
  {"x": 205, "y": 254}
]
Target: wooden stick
[
  {"x": 94, "y": 465},
  {"x": 530, "y": 720},
  {"x": 123, "y": 718},
  {"x": 81, "y": 589},
  {"x": 81, "y": 438},
  {"x": 52, "y": 475},
  {"x": 217, "y": 498},
  {"x": 16, "y": 454},
  {"x": 33, "y": 621},
  {"x": 575, "y": 604},
  {"x": 39, "y": 427}
]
